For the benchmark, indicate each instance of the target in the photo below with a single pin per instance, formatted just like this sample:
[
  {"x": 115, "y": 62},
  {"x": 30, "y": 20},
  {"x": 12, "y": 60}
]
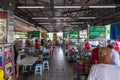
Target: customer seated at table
[
  {"x": 105, "y": 70},
  {"x": 46, "y": 49}
]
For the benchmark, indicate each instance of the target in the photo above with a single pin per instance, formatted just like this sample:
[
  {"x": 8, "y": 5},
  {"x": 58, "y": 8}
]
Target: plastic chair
[
  {"x": 39, "y": 69},
  {"x": 45, "y": 64},
  {"x": 24, "y": 68}
]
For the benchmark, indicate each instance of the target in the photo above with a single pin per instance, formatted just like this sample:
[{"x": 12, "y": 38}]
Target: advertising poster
[
  {"x": 9, "y": 69},
  {"x": 1, "y": 64},
  {"x": 97, "y": 32}
]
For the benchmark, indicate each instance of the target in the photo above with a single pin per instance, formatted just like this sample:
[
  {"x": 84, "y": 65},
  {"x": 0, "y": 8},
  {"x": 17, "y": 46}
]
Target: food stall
[{"x": 6, "y": 45}]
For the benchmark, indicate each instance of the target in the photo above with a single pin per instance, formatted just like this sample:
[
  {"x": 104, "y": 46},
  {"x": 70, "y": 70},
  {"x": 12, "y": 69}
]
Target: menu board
[
  {"x": 97, "y": 32},
  {"x": 3, "y": 27},
  {"x": 9, "y": 69},
  {"x": 1, "y": 58},
  {"x": 74, "y": 34}
]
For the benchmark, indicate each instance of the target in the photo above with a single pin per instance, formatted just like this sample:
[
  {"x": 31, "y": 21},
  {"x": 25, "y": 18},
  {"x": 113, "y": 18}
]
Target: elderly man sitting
[{"x": 105, "y": 70}]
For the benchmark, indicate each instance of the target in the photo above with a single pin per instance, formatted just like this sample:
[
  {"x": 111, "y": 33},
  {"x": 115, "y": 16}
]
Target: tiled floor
[{"x": 60, "y": 69}]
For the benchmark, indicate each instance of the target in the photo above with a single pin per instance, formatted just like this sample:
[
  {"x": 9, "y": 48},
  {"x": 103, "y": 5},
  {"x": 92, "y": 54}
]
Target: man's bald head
[{"x": 105, "y": 55}]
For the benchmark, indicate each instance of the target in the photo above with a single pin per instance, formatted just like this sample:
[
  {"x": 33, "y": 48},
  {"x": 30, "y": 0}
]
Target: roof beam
[
  {"x": 76, "y": 10},
  {"x": 52, "y": 7}
]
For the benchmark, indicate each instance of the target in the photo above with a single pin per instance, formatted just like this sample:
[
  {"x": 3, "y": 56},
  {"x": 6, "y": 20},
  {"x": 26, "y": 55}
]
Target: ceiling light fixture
[
  {"x": 86, "y": 17},
  {"x": 45, "y": 23},
  {"x": 67, "y": 7},
  {"x": 40, "y": 18},
  {"x": 102, "y": 6},
  {"x": 78, "y": 22},
  {"x": 61, "y": 17},
  {"x": 30, "y": 7}
]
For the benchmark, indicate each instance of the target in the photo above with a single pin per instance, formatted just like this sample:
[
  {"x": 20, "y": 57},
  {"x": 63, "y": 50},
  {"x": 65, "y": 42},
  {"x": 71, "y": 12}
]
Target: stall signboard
[
  {"x": 65, "y": 34},
  {"x": 55, "y": 36},
  {"x": 35, "y": 34},
  {"x": 97, "y": 32},
  {"x": 3, "y": 26},
  {"x": 43, "y": 34},
  {"x": 74, "y": 34}
]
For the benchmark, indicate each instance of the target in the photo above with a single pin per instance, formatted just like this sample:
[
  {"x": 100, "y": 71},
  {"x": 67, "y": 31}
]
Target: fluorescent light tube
[
  {"x": 86, "y": 17},
  {"x": 61, "y": 18},
  {"x": 67, "y": 7},
  {"x": 102, "y": 6},
  {"x": 77, "y": 22},
  {"x": 28, "y": 7},
  {"x": 40, "y": 18},
  {"x": 44, "y": 23}
]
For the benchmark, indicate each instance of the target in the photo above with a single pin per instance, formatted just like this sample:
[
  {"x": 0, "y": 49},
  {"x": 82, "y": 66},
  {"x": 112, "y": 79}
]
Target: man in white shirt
[
  {"x": 115, "y": 57},
  {"x": 105, "y": 70}
]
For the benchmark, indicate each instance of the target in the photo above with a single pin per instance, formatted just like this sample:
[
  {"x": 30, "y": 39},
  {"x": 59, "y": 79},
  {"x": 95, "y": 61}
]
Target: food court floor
[{"x": 60, "y": 69}]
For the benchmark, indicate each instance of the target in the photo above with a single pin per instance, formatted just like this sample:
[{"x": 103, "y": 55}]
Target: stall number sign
[
  {"x": 97, "y": 32},
  {"x": 74, "y": 34}
]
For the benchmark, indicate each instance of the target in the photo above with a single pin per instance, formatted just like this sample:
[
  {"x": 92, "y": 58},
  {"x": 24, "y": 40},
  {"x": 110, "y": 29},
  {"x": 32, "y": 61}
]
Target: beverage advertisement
[
  {"x": 9, "y": 70},
  {"x": 1, "y": 64}
]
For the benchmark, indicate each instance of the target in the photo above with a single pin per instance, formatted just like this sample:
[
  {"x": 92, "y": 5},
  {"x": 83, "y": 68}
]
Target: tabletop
[{"x": 28, "y": 60}]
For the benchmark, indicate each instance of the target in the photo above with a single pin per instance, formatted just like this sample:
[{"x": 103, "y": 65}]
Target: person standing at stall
[
  {"x": 95, "y": 56},
  {"x": 37, "y": 44},
  {"x": 87, "y": 45},
  {"x": 17, "y": 60}
]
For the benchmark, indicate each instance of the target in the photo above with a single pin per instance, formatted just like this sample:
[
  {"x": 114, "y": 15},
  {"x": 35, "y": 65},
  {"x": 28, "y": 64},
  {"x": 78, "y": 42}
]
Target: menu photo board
[
  {"x": 3, "y": 26},
  {"x": 97, "y": 32},
  {"x": 74, "y": 34}
]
